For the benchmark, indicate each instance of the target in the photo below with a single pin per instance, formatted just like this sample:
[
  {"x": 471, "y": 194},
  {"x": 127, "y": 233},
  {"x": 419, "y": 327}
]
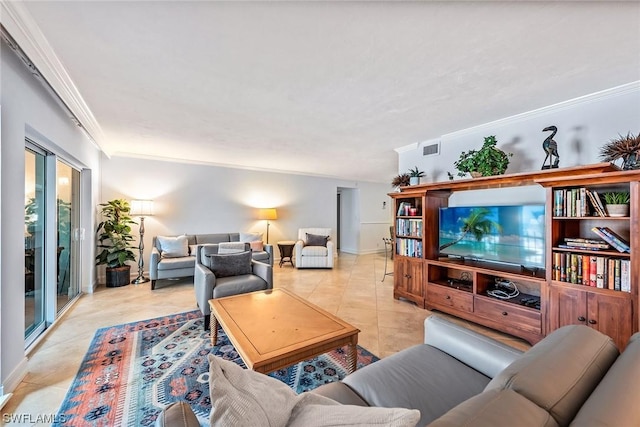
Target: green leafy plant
[
  {"x": 416, "y": 173},
  {"x": 488, "y": 160},
  {"x": 114, "y": 234},
  {"x": 616, "y": 198},
  {"x": 401, "y": 180}
]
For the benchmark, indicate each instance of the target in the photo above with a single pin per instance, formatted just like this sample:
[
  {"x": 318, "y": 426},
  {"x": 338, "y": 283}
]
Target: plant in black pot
[
  {"x": 114, "y": 238},
  {"x": 487, "y": 161}
]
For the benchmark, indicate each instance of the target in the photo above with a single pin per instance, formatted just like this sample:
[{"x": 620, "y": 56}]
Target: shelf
[
  {"x": 592, "y": 289},
  {"x": 594, "y": 253},
  {"x": 598, "y": 218},
  {"x": 487, "y": 267},
  {"x": 399, "y": 236},
  {"x": 517, "y": 301},
  {"x": 457, "y": 285}
]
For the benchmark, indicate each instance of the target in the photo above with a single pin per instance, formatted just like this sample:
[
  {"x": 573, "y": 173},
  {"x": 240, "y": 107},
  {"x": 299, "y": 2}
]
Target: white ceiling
[{"x": 326, "y": 88}]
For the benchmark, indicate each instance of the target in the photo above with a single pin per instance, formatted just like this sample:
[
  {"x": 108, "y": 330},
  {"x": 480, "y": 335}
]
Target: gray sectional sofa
[
  {"x": 173, "y": 267},
  {"x": 573, "y": 377}
]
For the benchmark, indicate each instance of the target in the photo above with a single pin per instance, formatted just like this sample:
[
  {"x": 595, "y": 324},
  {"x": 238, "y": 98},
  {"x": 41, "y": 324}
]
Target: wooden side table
[{"x": 286, "y": 251}]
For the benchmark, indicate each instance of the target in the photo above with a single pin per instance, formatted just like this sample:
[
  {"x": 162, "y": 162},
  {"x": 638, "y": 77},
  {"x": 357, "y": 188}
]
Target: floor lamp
[
  {"x": 268, "y": 214},
  {"x": 141, "y": 208}
]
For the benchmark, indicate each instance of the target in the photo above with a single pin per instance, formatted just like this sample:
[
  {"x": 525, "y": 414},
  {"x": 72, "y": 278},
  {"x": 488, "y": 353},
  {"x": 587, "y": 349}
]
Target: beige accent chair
[{"x": 313, "y": 256}]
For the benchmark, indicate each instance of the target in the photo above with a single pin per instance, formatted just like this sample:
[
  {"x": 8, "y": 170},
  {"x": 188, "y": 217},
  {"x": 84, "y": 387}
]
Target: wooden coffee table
[{"x": 275, "y": 328}]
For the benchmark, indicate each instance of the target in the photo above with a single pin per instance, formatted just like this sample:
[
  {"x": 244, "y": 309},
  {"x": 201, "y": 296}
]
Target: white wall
[
  {"x": 26, "y": 106},
  {"x": 584, "y": 126},
  {"x": 194, "y": 198}
]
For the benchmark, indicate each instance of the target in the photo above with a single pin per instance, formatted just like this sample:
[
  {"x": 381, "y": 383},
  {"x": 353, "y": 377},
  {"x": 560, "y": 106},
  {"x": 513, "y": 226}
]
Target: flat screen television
[{"x": 504, "y": 234}]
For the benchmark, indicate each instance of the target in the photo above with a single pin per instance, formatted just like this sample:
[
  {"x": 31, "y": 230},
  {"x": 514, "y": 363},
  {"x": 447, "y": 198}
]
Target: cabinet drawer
[
  {"x": 517, "y": 317},
  {"x": 448, "y": 297}
]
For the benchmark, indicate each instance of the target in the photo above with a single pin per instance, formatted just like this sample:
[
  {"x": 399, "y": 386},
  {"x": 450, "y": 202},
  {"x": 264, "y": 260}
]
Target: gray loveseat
[
  {"x": 166, "y": 268},
  {"x": 573, "y": 377}
]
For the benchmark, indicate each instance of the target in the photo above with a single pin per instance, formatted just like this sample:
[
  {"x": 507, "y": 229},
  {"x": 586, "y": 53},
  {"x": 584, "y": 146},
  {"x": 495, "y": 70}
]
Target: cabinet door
[
  {"x": 408, "y": 279},
  {"x": 566, "y": 307},
  {"x": 610, "y": 315}
]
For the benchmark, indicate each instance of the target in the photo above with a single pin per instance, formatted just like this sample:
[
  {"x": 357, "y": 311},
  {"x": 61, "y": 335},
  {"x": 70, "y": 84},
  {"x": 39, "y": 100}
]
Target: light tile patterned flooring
[{"x": 353, "y": 290}]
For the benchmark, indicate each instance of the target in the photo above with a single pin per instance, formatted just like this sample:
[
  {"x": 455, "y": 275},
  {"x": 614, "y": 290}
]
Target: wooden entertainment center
[{"x": 459, "y": 287}]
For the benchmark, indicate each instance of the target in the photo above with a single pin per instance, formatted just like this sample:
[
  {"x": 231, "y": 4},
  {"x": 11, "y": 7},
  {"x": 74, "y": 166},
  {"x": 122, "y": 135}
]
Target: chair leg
[
  {"x": 207, "y": 322},
  {"x": 153, "y": 284}
]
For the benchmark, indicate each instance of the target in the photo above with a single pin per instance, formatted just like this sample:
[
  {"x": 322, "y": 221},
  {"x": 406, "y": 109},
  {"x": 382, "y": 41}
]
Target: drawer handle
[
  {"x": 504, "y": 313},
  {"x": 408, "y": 276},
  {"x": 581, "y": 319},
  {"x": 447, "y": 297},
  {"x": 592, "y": 322}
]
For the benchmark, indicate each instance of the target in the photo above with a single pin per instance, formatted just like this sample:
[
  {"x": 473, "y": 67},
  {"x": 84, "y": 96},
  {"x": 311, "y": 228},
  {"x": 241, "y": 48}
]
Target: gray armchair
[{"x": 222, "y": 275}]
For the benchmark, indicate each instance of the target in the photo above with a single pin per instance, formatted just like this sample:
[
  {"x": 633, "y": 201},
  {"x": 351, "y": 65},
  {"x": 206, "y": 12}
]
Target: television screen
[{"x": 507, "y": 234}]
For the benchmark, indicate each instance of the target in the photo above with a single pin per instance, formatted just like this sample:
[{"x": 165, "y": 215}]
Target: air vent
[{"x": 431, "y": 149}]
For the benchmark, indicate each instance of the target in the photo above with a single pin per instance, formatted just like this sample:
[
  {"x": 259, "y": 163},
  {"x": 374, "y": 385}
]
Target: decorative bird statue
[{"x": 551, "y": 148}]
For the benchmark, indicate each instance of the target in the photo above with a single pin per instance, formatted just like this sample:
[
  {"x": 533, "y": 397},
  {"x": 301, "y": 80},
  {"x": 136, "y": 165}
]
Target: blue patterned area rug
[{"x": 131, "y": 371}]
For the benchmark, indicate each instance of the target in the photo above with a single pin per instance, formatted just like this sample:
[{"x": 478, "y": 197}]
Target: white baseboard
[
  {"x": 15, "y": 377},
  {"x": 4, "y": 399}
]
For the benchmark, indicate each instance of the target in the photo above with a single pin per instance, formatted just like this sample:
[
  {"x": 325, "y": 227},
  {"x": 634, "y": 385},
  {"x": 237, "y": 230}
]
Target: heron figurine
[{"x": 551, "y": 148}]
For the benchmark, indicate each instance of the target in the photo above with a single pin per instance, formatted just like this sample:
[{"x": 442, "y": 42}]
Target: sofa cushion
[
  {"x": 560, "y": 372},
  {"x": 224, "y": 265},
  {"x": 616, "y": 396},
  {"x": 173, "y": 247},
  {"x": 230, "y": 247},
  {"x": 257, "y": 246},
  {"x": 496, "y": 408},
  {"x": 234, "y": 285},
  {"x": 316, "y": 240},
  {"x": 175, "y": 263},
  {"x": 250, "y": 237},
  {"x": 315, "y": 251},
  {"x": 421, "y": 377},
  {"x": 213, "y": 238},
  {"x": 244, "y": 397}
]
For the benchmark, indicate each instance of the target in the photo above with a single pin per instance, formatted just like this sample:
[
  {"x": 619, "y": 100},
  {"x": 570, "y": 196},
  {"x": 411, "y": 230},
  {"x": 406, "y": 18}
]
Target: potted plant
[
  {"x": 114, "y": 237},
  {"x": 626, "y": 148},
  {"x": 617, "y": 203},
  {"x": 414, "y": 176},
  {"x": 401, "y": 180},
  {"x": 487, "y": 161}
]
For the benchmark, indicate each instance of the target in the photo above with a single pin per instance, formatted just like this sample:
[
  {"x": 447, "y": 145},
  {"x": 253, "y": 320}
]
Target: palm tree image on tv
[
  {"x": 478, "y": 224},
  {"x": 507, "y": 234}
]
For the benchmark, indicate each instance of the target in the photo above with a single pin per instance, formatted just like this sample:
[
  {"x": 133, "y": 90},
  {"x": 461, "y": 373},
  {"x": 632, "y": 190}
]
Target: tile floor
[{"x": 353, "y": 290}]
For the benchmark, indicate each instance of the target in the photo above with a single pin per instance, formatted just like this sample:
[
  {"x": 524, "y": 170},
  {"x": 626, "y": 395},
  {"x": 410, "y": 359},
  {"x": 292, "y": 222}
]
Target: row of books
[
  {"x": 595, "y": 271},
  {"x": 409, "y": 227},
  {"x": 585, "y": 244},
  {"x": 409, "y": 247},
  {"x": 577, "y": 202}
]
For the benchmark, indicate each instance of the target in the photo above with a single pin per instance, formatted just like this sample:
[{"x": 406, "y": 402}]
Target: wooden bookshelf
[{"x": 461, "y": 287}]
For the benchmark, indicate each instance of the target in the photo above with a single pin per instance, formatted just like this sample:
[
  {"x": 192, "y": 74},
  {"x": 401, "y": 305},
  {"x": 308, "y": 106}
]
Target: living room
[{"x": 598, "y": 101}]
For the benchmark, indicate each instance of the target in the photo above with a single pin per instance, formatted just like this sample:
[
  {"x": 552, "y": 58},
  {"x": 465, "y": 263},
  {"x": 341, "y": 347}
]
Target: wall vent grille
[{"x": 431, "y": 149}]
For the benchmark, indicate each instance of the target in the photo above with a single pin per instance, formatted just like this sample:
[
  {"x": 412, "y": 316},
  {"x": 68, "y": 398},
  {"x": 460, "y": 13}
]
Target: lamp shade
[
  {"x": 142, "y": 207},
  {"x": 268, "y": 213}
]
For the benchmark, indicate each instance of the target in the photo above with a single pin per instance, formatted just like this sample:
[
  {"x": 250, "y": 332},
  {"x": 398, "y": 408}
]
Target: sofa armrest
[
  {"x": 154, "y": 260},
  {"x": 341, "y": 393},
  {"x": 297, "y": 251},
  {"x": 178, "y": 414},
  {"x": 264, "y": 271},
  {"x": 483, "y": 354},
  {"x": 203, "y": 282},
  {"x": 269, "y": 249}
]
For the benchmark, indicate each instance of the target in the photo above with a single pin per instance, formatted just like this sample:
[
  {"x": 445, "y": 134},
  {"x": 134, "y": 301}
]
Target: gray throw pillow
[
  {"x": 174, "y": 247},
  {"x": 225, "y": 265},
  {"x": 316, "y": 240}
]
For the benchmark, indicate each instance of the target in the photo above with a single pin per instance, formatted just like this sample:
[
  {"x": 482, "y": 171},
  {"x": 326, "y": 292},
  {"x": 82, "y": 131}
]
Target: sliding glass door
[
  {"x": 34, "y": 241},
  {"x": 68, "y": 254},
  {"x": 51, "y": 238}
]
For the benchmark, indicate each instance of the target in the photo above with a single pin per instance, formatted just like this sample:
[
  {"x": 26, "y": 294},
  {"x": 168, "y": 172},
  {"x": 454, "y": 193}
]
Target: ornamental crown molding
[{"x": 25, "y": 38}]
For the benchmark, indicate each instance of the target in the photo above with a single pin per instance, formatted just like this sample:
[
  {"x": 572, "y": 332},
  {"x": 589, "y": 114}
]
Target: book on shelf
[
  {"x": 625, "y": 275},
  {"x": 601, "y": 208},
  {"x": 403, "y": 208},
  {"x": 612, "y": 238}
]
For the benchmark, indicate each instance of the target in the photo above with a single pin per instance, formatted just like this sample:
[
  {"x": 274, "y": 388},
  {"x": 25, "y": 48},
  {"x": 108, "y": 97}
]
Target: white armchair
[{"x": 314, "y": 248}]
